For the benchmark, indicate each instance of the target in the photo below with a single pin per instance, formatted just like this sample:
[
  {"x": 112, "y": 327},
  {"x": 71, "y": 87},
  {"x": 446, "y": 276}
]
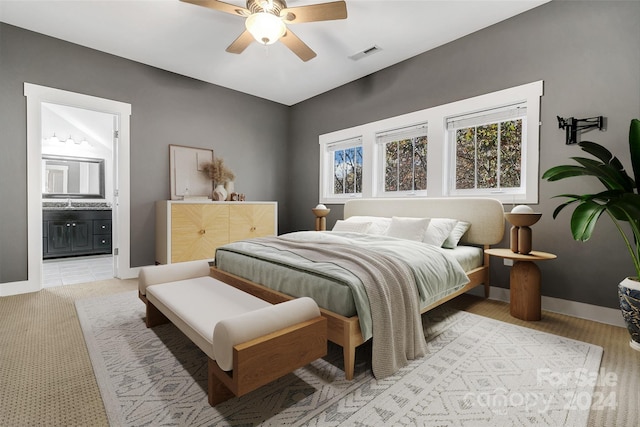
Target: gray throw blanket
[{"x": 393, "y": 297}]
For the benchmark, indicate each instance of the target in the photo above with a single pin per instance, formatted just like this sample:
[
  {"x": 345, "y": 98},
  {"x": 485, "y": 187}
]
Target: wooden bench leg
[
  {"x": 154, "y": 317},
  {"x": 216, "y": 390}
]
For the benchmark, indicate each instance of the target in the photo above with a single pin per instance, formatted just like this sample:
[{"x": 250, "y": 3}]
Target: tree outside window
[
  {"x": 489, "y": 156},
  {"x": 347, "y": 171},
  {"x": 406, "y": 164}
]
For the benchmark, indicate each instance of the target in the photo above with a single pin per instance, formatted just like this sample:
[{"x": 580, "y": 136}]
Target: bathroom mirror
[{"x": 66, "y": 177}]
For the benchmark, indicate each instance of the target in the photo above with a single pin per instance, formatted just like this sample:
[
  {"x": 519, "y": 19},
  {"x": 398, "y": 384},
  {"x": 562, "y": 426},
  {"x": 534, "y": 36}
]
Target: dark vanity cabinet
[
  {"x": 76, "y": 232},
  {"x": 102, "y": 236}
]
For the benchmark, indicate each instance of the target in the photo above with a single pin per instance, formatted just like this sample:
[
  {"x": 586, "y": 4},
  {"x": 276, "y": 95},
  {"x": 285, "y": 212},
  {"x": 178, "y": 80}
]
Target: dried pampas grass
[{"x": 218, "y": 172}]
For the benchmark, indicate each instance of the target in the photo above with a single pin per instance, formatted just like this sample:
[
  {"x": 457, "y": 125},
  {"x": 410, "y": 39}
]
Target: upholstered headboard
[{"x": 485, "y": 215}]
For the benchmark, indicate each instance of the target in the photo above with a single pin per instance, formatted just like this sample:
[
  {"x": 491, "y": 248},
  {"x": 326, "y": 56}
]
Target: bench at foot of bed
[{"x": 249, "y": 342}]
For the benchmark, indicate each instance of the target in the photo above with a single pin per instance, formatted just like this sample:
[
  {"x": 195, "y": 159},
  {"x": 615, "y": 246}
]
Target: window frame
[
  {"x": 440, "y": 155},
  {"x": 380, "y": 159},
  {"x": 451, "y": 144},
  {"x": 342, "y": 146},
  {"x": 326, "y": 167}
]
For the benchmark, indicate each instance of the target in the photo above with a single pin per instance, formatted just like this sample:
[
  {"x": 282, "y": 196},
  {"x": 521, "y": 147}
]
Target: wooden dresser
[{"x": 191, "y": 230}]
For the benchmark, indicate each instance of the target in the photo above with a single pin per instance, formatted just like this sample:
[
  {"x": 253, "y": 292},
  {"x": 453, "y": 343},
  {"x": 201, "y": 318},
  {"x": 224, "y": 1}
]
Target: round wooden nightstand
[{"x": 524, "y": 282}]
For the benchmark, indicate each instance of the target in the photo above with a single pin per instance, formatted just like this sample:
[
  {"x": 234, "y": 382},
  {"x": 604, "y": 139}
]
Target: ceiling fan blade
[
  {"x": 241, "y": 43},
  {"x": 221, "y": 6},
  {"x": 315, "y": 12},
  {"x": 297, "y": 46}
]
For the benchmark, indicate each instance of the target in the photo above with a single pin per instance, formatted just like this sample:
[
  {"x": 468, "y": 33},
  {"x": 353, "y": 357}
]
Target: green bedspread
[{"x": 436, "y": 272}]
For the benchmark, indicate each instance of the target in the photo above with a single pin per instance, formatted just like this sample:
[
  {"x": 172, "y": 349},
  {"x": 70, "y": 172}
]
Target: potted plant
[{"x": 620, "y": 201}]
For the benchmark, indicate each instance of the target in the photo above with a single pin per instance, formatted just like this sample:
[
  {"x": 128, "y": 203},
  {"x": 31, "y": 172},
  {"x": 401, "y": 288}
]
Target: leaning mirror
[{"x": 72, "y": 177}]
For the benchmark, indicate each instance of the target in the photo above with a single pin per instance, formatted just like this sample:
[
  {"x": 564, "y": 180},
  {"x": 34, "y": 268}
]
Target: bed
[{"x": 242, "y": 266}]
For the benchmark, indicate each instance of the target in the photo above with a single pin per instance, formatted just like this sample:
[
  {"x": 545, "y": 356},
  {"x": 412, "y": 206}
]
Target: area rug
[{"x": 478, "y": 371}]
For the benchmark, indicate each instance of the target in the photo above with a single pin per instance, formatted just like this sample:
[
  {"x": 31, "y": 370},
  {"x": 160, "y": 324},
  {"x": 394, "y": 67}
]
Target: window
[
  {"x": 403, "y": 156},
  {"x": 346, "y": 166},
  {"x": 347, "y": 170},
  {"x": 486, "y": 146},
  {"x": 487, "y": 150}
]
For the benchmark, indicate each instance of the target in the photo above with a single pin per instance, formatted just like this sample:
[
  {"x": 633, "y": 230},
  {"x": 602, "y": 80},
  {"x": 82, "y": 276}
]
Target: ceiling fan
[{"x": 266, "y": 21}]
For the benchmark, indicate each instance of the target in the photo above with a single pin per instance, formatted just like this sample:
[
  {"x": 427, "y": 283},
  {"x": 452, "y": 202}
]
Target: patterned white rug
[{"x": 478, "y": 371}]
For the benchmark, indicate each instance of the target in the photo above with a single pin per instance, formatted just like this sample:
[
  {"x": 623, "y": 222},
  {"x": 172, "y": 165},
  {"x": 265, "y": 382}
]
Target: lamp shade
[{"x": 266, "y": 28}]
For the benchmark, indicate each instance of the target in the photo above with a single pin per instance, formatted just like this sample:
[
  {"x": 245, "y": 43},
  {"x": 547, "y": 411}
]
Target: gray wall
[
  {"x": 586, "y": 52},
  {"x": 248, "y": 132},
  {"x": 588, "y": 55}
]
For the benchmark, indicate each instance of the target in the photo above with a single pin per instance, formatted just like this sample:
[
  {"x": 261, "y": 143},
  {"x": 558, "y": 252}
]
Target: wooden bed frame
[{"x": 487, "y": 228}]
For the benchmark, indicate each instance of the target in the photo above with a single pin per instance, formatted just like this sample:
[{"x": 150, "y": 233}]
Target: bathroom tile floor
[{"x": 70, "y": 271}]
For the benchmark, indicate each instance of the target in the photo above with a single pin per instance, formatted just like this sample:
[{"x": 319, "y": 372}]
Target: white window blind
[
  {"x": 494, "y": 115},
  {"x": 401, "y": 134},
  {"x": 344, "y": 144}
]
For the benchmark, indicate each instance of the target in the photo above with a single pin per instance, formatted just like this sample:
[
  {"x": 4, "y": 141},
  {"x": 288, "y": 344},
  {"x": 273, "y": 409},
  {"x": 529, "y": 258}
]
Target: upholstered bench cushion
[
  {"x": 170, "y": 273},
  {"x": 196, "y": 305}
]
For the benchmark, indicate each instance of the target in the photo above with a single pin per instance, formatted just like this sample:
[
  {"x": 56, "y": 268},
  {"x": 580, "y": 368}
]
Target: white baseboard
[
  {"x": 610, "y": 316},
  {"x": 130, "y": 273},
  {"x": 16, "y": 288},
  {"x": 27, "y": 286}
]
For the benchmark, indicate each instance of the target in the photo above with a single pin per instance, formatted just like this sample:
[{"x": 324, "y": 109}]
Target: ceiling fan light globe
[{"x": 266, "y": 28}]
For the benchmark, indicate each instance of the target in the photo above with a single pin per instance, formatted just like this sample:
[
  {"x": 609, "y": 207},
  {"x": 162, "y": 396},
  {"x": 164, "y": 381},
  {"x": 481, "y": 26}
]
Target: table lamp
[
  {"x": 321, "y": 211},
  {"x": 521, "y": 218}
]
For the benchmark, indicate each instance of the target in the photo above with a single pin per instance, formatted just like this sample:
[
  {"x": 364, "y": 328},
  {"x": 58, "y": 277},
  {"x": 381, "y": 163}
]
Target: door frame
[{"x": 36, "y": 95}]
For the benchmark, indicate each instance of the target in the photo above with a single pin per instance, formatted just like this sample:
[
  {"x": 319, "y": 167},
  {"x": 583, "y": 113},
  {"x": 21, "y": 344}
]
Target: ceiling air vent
[{"x": 367, "y": 52}]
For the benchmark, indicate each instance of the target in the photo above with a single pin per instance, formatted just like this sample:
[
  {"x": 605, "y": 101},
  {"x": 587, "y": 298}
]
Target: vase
[
  {"x": 629, "y": 294},
  {"x": 229, "y": 186},
  {"x": 219, "y": 193}
]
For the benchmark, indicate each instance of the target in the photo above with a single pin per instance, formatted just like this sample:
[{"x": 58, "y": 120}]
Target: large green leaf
[
  {"x": 564, "y": 171},
  {"x": 634, "y": 148},
  {"x": 584, "y": 218},
  {"x": 626, "y": 206},
  {"x": 609, "y": 170},
  {"x": 596, "y": 150},
  {"x": 610, "y": 176},
  {"x": 601, "y": 153},
  {"x": 572, "y": 199}
]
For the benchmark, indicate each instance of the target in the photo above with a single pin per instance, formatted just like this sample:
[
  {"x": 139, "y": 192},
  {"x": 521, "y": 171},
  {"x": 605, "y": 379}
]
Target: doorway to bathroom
[
  {"x": 78, "y": 182},
  {"x": 37, "y": 99}
]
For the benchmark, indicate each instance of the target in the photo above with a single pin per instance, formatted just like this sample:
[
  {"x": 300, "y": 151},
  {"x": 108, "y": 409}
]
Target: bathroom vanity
[{"x": 75, "y": 230}]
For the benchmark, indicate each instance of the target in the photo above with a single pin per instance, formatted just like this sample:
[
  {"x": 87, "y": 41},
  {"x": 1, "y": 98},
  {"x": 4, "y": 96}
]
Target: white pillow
[
  {"x": 379, "y": 224},
  {"x": 456, "y": 234},
  {"x": 408, "y": 228},
  {"x": 351, "y": 226},
  {"x": 438, "y": 231}
]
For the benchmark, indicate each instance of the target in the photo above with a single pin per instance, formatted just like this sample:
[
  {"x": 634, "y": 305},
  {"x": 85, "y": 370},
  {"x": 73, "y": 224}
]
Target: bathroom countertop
[{"x": 76, "y": 206}]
